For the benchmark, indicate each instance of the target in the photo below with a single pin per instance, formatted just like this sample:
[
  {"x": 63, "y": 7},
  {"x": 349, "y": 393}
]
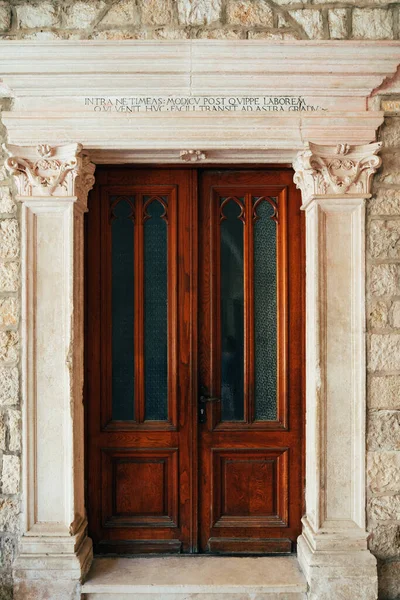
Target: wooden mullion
[
  {"x": 282, "y": 309},
  {"x": 106, "y": 307},
  {"x": 193, "y": 351},
  {"x": 172, "y": 324},
  {"x": 215, "y": 410},
  {"x": 139, "y": 310},
  {"x": 248, "y": 281}
]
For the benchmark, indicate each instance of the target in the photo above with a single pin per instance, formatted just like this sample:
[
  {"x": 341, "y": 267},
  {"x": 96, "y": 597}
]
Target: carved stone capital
[
  {"x": 336, "y": 170},
  {"x": 52, "y": 171}
]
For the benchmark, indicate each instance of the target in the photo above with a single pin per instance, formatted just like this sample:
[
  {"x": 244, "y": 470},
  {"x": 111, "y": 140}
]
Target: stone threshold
[{"x": 195, "y": 578}]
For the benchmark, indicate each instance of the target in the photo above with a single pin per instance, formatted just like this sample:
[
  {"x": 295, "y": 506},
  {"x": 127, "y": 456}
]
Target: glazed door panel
[
  {"x": 141, "y": 375},
  {"x": 250, "y": 361}
]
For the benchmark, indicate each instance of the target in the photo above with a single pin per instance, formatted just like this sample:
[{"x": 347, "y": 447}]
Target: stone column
[
  {"x": 332, "y": 550},
  {"x": 55, "y": 552}
]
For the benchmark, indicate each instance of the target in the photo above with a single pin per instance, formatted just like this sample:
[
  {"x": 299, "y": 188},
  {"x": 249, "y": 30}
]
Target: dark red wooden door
[
  {"x": 141, "y": 351},
  {"x": 174, "y": 275},
  {"x": 250, "y": 361}
]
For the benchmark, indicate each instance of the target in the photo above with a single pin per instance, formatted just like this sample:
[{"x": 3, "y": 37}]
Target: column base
[
  {"x": 51, "y": 566},
  {"x": 345, "y": 570}
]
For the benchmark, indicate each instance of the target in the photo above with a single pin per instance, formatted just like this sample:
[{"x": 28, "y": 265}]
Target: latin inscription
[{"x": 151, "y": 104}]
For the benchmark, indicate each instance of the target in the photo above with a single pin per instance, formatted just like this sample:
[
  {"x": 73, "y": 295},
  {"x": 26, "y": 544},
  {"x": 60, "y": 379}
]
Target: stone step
[{"x": 195, "y": 578}]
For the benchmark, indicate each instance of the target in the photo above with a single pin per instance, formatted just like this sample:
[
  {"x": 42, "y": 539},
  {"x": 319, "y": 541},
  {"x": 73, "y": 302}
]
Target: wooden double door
[{"x": 194, "y": 360}]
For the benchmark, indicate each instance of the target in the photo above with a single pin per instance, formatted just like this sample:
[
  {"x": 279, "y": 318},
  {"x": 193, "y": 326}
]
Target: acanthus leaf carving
[
  {"x": 47, "y": 170},
  {"x": 336, "y": 170},
  {"x": 85, "y": 178}
]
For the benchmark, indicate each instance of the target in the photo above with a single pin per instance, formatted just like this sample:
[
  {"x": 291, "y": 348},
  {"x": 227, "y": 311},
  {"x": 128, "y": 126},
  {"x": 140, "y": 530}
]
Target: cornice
[
  {"x": 345, "y": 68},
  {"x": 56, "y": 85}
]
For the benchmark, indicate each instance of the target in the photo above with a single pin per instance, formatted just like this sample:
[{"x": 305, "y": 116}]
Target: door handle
[{"x": 203, "y": 400}]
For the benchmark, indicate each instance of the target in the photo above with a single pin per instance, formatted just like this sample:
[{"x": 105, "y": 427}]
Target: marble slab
[{"x": 187, "y": 576}]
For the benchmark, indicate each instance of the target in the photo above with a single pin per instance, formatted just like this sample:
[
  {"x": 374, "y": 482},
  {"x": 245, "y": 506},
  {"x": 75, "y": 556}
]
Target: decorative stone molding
[
  {"x": 192, "y": 155},
  {"x": 58, "y": 91},
  {"x": 336, "y": 170},
  {"x": 53, "y": 183},
  {"x": 267, "y": 97},
  {"x": 50, "y": 170},
  {"x": 332, "y": 550}
]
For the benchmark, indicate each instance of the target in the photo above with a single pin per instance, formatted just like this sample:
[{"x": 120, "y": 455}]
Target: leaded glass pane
[
  {"x": 122, "y": 308},
  {"x": 265, "y": 312},
  {"x": 155, "y": 310},
  {"x": 232, "y": 310}
]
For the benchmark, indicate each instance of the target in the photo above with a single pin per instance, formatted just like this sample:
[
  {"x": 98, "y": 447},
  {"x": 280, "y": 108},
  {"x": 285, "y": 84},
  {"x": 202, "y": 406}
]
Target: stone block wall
[
  {"x": 10, "y": 408},
  {"x": 241, "y": 19},
  {"x": 176, "y": 19},
  {"x": 383, "y": 321}
]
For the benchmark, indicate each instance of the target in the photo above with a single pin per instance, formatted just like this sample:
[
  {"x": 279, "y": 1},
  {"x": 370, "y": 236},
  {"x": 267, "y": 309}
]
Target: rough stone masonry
[
  {"x": 383, "y": 321},
  {"x": 177, "y": 19},
  {"x": 232, "y": 19}
]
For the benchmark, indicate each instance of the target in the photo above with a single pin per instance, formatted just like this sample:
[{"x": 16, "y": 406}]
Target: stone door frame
[{"x": 52, "y": 156}]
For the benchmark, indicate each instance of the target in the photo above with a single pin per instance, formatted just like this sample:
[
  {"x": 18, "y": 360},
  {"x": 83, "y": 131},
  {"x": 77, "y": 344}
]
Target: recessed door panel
[
  {"x": 140, "y": 487},
  {"x": 250, "y": 487}
]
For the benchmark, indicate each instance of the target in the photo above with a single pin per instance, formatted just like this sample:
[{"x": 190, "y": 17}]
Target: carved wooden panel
[
  {"x": 139, "y": 487},
  {"x": 250, "y": 487}
]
